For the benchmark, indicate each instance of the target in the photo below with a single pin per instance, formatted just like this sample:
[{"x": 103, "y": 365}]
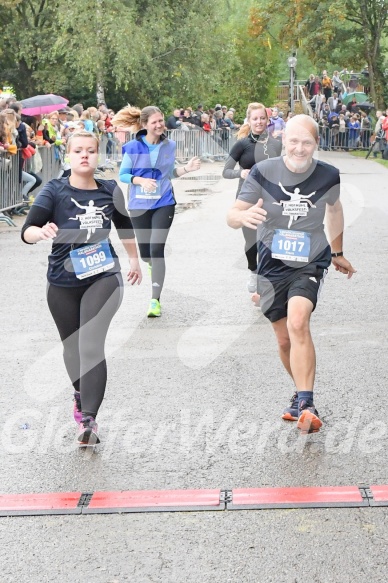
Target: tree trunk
[
  {"x": 25, "y": 83},
  {"x": 100, "y": 76},
  {"x": 100, "y": 91},
  {"x": 372, "y": 88},
  {"x": 376, "y": 78},
  {"x": 372, "y": 35}
]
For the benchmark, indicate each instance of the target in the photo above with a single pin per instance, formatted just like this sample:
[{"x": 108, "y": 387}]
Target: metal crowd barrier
[
  {"x": 110, "y": 148},
  {"x": 51, "y": 164},
  {"x": 213, "y": 145},
  {"x": 10, "y": 188},
  {"x": 350, "y": 139},
  {"x": 283, "y": 91}
]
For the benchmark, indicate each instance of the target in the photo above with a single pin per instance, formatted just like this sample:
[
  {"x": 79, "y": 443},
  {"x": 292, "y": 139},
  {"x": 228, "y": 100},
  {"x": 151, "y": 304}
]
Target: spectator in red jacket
[
  {"x": 384, "y": 124},
  {"x": 205, "y": 122},
  {"x": 315, "y": 86}
]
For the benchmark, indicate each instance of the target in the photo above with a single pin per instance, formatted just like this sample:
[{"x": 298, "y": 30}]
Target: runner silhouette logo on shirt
[
  {"x": 297, "y": 206},
  {"x": 92, "y": 219}
]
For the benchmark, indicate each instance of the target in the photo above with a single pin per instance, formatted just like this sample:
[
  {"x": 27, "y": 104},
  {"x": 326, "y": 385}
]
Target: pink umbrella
[{"x": 42, "y": 104}]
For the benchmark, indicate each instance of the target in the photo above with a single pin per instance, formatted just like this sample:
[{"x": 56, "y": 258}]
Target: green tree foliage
[
  {"x": 347, "y": 33},
  {"x": 140, "y": 51},
  {"x": 27, "y": 32},
  {"x": 253, "y": 74}
]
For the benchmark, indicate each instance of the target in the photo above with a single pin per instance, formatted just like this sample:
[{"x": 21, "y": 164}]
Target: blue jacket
[{"x": 139, "y": 155}]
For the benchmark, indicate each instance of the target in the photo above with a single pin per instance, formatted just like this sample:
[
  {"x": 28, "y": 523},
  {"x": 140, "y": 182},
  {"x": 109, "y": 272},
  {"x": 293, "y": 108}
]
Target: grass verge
[{"x": 362, "y": 154}]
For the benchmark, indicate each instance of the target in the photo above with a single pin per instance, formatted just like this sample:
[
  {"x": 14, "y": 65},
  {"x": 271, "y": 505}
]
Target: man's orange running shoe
[
  {"x": 291, "y": 413},
  {"x": 308, "y": 421}
]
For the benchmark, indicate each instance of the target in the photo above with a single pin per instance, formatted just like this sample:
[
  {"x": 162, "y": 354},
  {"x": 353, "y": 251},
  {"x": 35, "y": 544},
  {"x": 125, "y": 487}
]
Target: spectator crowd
[
  {"x": 343, "y": 113},
  {"x": 342, "y": 126}
]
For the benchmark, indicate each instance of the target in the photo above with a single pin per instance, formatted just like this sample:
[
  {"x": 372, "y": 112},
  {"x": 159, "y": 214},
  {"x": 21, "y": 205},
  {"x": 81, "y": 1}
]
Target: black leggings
[
  {"x": 250, "y": 236},
  {"x": 82, "y": 316},
  {"x": 151, "y": 229},
  {"x": 37, "y": 183}
]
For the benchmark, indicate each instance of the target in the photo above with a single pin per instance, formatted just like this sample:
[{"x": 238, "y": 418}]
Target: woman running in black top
[
  {"x": 253, "y": 145},
  {"x": 84, "y": 280}
]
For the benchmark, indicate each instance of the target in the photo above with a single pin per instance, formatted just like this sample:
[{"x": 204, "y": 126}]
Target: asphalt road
[{"x": 194, "y": 401}]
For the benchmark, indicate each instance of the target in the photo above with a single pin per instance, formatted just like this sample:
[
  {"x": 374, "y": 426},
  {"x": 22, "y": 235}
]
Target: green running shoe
[{"x": 154, "y": 310}]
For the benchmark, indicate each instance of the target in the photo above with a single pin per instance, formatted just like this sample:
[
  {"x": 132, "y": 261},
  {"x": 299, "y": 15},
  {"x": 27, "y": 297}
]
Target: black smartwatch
[{"x": 339, "y": 254}]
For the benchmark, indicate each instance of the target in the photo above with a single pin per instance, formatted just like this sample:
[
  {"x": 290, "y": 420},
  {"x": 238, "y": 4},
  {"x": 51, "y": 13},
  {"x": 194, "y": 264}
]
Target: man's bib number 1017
[
  {"x": 291, "y": 245},
  {"x": 91, "y": 259}
]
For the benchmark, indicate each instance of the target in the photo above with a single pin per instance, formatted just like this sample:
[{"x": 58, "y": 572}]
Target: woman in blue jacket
[{"x": 148, "y": 166}]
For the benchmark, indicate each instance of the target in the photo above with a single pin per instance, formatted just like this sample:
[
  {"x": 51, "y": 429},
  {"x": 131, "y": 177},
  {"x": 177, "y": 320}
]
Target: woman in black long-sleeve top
[
  {"x": 85, "y": 284},
  {"x": 253, "y": 145}
]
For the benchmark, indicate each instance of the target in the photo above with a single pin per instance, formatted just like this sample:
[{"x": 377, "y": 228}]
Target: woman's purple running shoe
[{"x": 88, "y": 435}]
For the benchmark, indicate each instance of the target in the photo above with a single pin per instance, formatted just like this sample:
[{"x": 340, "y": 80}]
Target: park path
[{"x": 198, "y": 393}]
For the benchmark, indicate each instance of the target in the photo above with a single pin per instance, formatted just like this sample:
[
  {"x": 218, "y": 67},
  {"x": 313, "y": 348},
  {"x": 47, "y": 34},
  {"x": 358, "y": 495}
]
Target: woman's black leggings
[
  {"x": 151, "y": 229},
  {"x": 37, "y": 183},
  {"x": 250, "y": 236},
  {"x": 82, "y": 316}
]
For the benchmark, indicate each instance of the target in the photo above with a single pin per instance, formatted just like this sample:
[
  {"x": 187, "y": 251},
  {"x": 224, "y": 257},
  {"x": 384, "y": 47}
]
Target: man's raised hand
[{"x": 253, "y": 216}]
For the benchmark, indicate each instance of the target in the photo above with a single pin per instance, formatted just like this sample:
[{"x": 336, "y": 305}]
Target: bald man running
[{"x": 287, "y": 199}]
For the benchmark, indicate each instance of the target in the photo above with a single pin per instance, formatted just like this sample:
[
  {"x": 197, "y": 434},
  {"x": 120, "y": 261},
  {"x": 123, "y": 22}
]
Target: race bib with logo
[
  {"x": 91, "y": 259},
  {"x": 140, "y": 192},
  {"x": 291, "y": 245}
]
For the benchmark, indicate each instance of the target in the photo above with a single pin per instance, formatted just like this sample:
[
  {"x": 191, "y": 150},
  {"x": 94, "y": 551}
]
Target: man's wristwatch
[{"x": 339, "y": 254}]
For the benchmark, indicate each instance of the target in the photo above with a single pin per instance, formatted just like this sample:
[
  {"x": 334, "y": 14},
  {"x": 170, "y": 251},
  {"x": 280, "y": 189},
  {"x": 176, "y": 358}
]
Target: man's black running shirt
[{"x": 272, "y": 181}]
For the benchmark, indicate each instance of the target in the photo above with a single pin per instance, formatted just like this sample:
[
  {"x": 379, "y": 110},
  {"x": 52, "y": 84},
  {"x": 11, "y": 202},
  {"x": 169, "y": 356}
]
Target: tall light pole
[{"x": 291, "y": 61}]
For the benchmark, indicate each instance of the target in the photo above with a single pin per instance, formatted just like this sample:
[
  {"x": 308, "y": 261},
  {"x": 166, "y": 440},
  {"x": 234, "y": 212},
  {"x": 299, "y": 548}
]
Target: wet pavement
[{"x": 194, "y": 401}]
